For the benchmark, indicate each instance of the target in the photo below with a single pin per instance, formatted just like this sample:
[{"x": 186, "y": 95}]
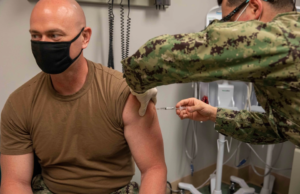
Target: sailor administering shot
[{"x": 256, "y": 41}]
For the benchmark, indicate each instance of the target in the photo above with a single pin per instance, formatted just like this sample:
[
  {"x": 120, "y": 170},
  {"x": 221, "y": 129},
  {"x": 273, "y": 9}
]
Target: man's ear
[
  {"x": 87, "y": 33},
  {"x": 255, "y": 9}
]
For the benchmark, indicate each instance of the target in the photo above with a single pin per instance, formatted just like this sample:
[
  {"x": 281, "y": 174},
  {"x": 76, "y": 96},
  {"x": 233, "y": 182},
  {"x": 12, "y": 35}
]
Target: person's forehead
[{"x": 52, "y": 17}]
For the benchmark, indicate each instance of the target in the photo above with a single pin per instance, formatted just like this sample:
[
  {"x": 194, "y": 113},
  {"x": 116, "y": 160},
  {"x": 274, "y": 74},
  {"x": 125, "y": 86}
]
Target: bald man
[{"x": 77, "y": 116}]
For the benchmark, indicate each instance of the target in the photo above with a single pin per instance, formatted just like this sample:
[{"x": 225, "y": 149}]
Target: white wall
[{"x": 18, "y": 65}]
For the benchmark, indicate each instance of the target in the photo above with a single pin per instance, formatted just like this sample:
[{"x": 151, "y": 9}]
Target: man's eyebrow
[
  {"x": 34, "y": 31},
  {"x": 48, "y": 31}
]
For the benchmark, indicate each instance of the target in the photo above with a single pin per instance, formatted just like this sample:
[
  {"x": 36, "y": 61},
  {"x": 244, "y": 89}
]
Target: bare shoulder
[{"x": 131, "y": 112}]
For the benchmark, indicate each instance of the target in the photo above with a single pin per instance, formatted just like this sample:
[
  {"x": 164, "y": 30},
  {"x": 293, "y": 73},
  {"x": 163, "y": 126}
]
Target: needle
[{"x": 172, "y": 108}]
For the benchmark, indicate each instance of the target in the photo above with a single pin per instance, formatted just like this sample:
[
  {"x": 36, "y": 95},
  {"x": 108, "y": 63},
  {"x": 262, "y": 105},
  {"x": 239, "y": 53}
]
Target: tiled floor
[{"x": 225, "y": 189}]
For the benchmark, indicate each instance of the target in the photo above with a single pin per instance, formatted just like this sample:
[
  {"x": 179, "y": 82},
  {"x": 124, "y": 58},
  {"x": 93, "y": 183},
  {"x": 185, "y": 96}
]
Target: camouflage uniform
[
  {"x": 39, "y": 187},
  {"x": 267, "y": 54}
]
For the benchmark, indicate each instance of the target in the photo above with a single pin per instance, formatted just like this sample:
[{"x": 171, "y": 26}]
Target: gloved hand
[{"x": 144, "y": 99}]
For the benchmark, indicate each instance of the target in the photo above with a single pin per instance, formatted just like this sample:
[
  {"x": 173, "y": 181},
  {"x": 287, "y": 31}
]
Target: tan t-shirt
[{"x": 79, "y": 139}]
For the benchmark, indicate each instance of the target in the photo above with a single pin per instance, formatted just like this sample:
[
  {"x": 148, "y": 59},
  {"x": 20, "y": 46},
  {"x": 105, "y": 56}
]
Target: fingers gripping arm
[{"x": 144, "y": 99}]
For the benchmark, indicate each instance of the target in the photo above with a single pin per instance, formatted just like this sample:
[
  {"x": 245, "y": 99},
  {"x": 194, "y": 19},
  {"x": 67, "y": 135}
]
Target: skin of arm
[
  {"x": 144, "y": 137},
  {"x": 17, "y": 171}
]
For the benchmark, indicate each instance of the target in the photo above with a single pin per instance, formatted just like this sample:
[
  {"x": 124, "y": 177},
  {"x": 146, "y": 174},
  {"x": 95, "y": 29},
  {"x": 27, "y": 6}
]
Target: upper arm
[
  {"x": 15, "y": 136},
  {"x": 143, "y": 135},
  {"x": 16, "y": 169},
  {"x": 16, "y": 151}
]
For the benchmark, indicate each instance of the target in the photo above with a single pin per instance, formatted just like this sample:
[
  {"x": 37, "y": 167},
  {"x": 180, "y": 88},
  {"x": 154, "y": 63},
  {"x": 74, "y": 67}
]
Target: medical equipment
[
  {"x": 125, "y": 49},
  {"x": 172, "y": 108},
  {"x": 225, "y": 92},
  {"x": 294, "y": 184},
  {"x": 225, "y": 100},
  {"x": 122, "y": 14},
  {"x": 162, "y": 3},
  {"x": 192, "y": 156},
  {"x": 188, "y": 187},
  {"x": 245, "y": 189},
  {"x": 214, "y": 14},
  {"x": 111, "y": 20},
  {"x": 140, "y": 3},
  {"x": 191, "y": 187}
]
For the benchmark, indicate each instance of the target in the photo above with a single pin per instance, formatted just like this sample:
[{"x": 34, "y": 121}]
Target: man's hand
[
  {"x": 196, "y": 110},
  {"x": 144, "y": 99}
]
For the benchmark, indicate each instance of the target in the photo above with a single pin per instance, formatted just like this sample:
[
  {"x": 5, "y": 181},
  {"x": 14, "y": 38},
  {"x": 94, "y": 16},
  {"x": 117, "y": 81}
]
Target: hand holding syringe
[
  {"x": 172, "y": 108},
  {"x": 198, "y": 110},
  {"x": 204, "y": 99}
]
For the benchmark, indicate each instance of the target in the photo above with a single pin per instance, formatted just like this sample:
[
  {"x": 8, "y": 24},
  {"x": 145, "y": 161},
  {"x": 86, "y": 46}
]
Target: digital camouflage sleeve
[{"x": 267, "y": 54}]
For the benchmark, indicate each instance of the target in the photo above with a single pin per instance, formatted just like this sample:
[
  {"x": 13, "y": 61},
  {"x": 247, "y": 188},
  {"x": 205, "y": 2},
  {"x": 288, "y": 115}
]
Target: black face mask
[{"x": 53, "y": 57}]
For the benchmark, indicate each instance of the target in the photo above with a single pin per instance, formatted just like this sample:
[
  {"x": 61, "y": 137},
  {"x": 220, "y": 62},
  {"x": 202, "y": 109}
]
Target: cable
[
  {"x": 248, "y": 105},
  {"x": 261, "y": 175},
  {"x": 125, "y": 48},
  {"x": 279, "y": 169},
  {"x": 278, "y": 155},
  {"x": 249, "y": 93},
  {"x": 170, "y": 188},
  {"x": 128, "y": 31},
  {"x": 169, "y": 185},
  {"x": 276, "y": 160},
  {"x": 223, "y": 164},
  {"x": 194, "y": 143},
  {"x": 111, "y": 33},
  {"x": 122, "y": 30},
  {"x": 192, "y": 156}
]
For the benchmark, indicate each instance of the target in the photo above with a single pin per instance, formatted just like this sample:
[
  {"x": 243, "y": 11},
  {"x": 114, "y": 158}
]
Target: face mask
[
  {"x": 242, "y": 12},
  {"x": 236, "y": 10},
  {"x": 53, "y": 57}
]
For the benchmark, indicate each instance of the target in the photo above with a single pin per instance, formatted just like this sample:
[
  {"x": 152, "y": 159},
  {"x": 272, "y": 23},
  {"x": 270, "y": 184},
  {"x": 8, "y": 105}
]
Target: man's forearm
[
  {"x": 154, "y": 181},
  {"x": 16, "y": 188}
]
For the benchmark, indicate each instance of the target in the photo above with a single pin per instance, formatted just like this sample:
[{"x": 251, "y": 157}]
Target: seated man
[{"x": 77, "y": 116}]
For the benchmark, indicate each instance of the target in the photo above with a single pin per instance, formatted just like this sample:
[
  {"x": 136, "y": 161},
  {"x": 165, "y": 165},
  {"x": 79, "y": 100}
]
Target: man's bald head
[
  {"x": 62, "y": 14},
  {"x": 60, "y": 21}
]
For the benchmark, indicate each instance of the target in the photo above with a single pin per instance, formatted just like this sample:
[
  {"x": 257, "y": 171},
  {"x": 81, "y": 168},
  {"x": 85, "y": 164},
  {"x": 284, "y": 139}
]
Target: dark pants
[{"x": 39, "y": 187}]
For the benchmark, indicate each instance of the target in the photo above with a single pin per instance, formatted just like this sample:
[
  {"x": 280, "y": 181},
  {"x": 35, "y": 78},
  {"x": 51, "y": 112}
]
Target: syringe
[{"x": 172, "y": 108}]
